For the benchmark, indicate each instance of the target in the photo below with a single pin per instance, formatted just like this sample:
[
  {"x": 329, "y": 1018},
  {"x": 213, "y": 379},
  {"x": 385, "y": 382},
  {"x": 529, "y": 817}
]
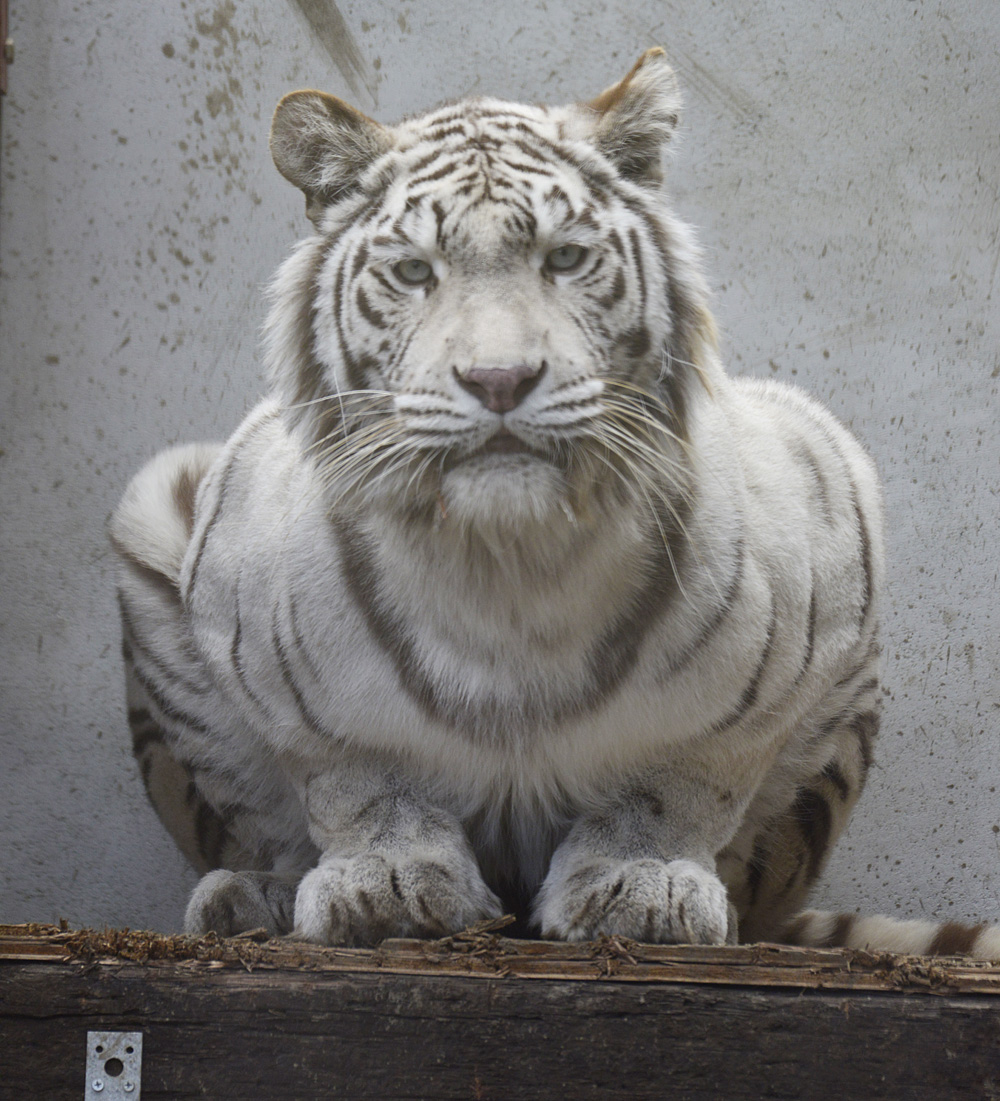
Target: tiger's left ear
[{"x": 636, "y": 118}]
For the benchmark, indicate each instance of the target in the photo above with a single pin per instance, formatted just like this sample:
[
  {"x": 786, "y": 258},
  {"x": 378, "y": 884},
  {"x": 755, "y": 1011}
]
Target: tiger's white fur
[{"x": 507, "y": 596}]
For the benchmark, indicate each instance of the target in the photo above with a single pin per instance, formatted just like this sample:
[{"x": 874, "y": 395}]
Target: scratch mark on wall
[
  {"x": 726, "y": 95},
  {"x": 333, "y": 34},
  {"x": 993, "y": 277}
]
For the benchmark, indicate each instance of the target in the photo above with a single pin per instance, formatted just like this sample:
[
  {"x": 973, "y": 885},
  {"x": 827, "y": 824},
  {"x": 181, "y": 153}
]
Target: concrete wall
[{"x": 841, "y": 161}]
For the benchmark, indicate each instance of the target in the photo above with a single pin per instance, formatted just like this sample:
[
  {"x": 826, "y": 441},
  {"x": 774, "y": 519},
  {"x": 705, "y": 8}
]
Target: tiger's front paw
[
  {"x": 228, "y": 903},
  {"x": 364, "y": 899},
  {"x": 675, "y": 902}
]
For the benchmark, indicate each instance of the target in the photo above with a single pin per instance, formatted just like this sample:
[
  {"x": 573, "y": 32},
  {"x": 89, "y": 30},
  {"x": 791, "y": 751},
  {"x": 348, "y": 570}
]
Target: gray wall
[{"x": 841, "y": 162}]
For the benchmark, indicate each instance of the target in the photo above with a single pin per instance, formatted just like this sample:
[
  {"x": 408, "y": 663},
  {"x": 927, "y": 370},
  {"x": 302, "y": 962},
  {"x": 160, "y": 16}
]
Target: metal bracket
[{"x": 114, "y": 1066}]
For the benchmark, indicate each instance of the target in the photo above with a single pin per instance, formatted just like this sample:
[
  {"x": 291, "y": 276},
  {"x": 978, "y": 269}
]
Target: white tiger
[{"x": 507, "y": 597}]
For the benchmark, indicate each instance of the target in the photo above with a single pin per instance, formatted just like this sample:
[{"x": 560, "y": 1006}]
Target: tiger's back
[{"x": 507, "y": 596}]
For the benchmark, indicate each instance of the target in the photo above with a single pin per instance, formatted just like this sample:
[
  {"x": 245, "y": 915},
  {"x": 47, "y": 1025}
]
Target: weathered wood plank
[
  {"x": 212, "y": 1029},
  {"x": 482, "y": 953}
]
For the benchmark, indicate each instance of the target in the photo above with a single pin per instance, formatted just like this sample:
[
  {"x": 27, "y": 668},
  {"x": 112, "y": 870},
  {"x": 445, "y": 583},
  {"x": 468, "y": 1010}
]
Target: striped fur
[{"x": 506, "y": 596}]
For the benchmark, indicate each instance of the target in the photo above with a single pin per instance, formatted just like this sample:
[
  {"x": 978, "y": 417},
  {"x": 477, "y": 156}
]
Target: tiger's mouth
[
  {"x": 502, "y": 450},
  {"x": 504, "y": 442}
]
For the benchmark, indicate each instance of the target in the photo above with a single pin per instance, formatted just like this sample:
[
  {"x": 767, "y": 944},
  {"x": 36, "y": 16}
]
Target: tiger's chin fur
[{"x": 506, "y": 596}]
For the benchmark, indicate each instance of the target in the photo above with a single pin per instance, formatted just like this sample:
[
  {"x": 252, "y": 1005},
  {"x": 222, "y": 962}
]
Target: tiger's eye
[
  {"x": 413, "y": 271},
  {"x": 566, "y": 258}
]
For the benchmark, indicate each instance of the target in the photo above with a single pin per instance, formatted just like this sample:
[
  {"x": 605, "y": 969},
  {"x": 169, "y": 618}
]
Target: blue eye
[
  {"x": 566, "y": 258},
  {"x": 413, "y": 272}
]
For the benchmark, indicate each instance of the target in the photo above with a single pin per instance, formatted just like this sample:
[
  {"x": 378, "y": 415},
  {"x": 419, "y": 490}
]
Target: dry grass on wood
[{"x": 484, "y": 952}]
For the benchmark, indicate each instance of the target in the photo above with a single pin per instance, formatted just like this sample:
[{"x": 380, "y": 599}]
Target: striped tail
[{"x": 823, "y": 929}]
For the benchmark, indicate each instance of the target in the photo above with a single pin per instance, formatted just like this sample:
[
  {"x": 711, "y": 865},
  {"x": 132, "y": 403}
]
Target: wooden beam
[{"x": 481, "y": 1016}]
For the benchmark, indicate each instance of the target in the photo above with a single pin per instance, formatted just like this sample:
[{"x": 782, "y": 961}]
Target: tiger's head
[{"x": 497, "y": 317}]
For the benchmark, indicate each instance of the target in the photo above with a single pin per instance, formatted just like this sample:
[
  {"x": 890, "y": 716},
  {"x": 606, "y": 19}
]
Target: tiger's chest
[{"x": 587, "y": 645}]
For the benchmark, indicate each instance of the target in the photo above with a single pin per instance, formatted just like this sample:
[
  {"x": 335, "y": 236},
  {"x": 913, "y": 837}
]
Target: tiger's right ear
[{"x": 322, "y": 145}]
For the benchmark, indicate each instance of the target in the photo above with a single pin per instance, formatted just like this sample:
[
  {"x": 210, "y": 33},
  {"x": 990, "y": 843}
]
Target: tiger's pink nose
[{"x": 501, "y": 389}]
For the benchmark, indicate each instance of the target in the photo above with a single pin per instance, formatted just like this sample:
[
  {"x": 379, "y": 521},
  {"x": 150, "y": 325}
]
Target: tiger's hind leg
[
  {"x": 219, "y": 795},
  {"x": 770, "y": 871},
  {"x": 250, "y": 870}
]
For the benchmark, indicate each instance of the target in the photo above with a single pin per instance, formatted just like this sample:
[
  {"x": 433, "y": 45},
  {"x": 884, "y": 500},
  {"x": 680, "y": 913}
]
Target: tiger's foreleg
[
  {"x": 392, "y": 863},
  {"x": 643, "y": 865}
]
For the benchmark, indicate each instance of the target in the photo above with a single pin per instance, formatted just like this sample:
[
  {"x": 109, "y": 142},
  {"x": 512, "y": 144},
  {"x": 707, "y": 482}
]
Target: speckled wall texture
[{"x": 841, "y": 160}]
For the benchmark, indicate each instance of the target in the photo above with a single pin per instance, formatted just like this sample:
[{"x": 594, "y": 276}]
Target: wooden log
[{"x": 480, "y": 1016}]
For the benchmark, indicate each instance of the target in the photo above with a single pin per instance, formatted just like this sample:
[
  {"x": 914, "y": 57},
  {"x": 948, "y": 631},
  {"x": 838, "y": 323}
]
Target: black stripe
[
  {"x": 615, "y": 241},
  {"x": 685, "y": 314},
  {"x": 234, "y": 654},
  {"x": 145, "y": 730},
  {"x": 596, "y": 178},
  {"x": 593, "y": 276},
  {"x": 223, "y": 489},
  {"x": 555, "y": 196},
  {"x": 355, "y": 378},
  {"x": 300, "y": 646},
  {"x": 440, "y": 134},
  {"x": 953, "y": 939},
  {"x": 636, "y": 342},
  {"x": 862, "y": 666},
  {"x": 505, "y": 184},
  {"x": 359, "y": 261},
  {"x": 616, "y": 653},
  {"x": 500, "y": 118},
  {"x": 756, "y": 868},
  {"x": 529, "y": 169},
  {"x": 439, "y": 174},
  {"x": 156, "y": 696},
  {"x": 865, "y": 728},
  {"x": 585, "y": 220},
  {"x": 801, "y": 450},
  {"x": 385, "y": 284},
  {"x": 864, "y": 537},
  {"x": 439, "y": 218},
  {"x": 848, "y": 714},
  {"x": 530, "y": 151},
  {"x": 866, "y": 686},
  {"x": 384, "y": 240},
  {"x": 368, "y": 312},
  {"x": 640, "y": 272},
  {"x": 287, "y": 675},
  {"x": 363, "y": 584},
  {"x": 810, "y": 635},
  {"x": 833, "y": 773},
  {"x": 712, "y": 627},
  {"x": 616, "y": 292},
  {"x": 749, "y": 697},
  {"x": 401, "y": 347},
  {"x": 428, "y": 158},
  {"x": 309, "y": 370},
  {"x": 485, "y": 718},
  {"x": 524, "y": 225},
  {"x": 167, "y": 587},
  {"x": 811, "y": 813},
  {"x": 157, "y": 664},
  {"x": 211, "y": 833}
]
